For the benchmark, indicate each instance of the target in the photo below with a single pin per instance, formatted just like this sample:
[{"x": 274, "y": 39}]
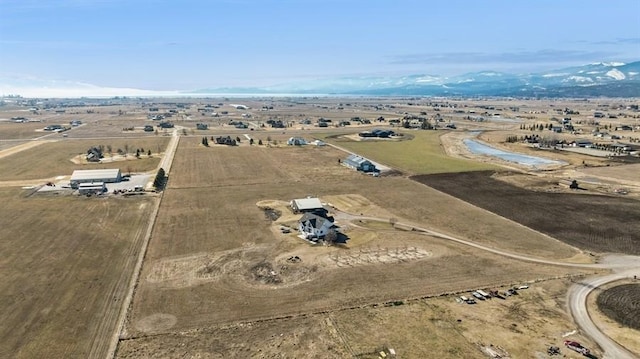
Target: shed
[
  {"x": 359, "y": 163},
  {"x": 309, "y": 204},
  {"x": 92, "y": 188},
  {"x": 95, "y": 176}
]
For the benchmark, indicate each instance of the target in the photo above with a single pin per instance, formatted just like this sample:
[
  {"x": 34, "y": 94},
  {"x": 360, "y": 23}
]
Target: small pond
[{"x": 482, "y": 149}]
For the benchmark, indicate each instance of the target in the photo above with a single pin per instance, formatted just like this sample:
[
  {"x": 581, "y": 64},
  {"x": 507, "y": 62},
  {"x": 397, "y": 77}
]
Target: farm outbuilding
[
  {"x": 92, "y": 188},
  {"x": 95, "y": 176},
  {"x": 309, "y": 204},
  {"x": 359, "y": 163}
]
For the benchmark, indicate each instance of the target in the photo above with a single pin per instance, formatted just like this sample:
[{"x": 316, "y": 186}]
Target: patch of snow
[
  {"x": 555, "y": 75},
  {"x": 609, "y": 64},
  {"x": 582, "y": 79},
  {"x": 427, "y": 79},
  {"x": 616, "y": 74},
  {"x": 489, "y": 73}
]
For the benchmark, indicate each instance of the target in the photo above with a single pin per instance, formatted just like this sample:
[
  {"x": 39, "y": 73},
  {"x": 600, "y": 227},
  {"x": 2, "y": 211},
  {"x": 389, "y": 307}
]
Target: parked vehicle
[{"x": 575, "y": 346}]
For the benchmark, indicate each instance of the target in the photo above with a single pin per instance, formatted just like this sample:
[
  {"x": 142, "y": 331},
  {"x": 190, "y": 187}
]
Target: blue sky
[{"x": 192, "y": 44}]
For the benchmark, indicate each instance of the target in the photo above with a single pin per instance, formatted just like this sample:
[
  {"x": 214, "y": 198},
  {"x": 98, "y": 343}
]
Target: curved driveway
[{"x": 623, "y": 266}]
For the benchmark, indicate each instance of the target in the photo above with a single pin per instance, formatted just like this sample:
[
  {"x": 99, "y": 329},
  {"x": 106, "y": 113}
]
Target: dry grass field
[
  {"x": 21, "y": 131},
  {"x": 522, "y": 326},
  {"x": 215, "y": 260},
  {"x": 66, "y": 264},
  {"x": 593, "y": 222},
  {"x": 54, "y": 158}
]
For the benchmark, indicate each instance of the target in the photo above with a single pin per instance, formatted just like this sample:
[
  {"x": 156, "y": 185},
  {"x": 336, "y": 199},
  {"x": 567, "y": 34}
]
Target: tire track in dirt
[{"x": 115, "y": 296}]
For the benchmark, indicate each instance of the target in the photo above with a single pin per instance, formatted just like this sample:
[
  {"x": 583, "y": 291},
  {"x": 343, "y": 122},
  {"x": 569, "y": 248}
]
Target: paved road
[{"x": 623, "y": 266}]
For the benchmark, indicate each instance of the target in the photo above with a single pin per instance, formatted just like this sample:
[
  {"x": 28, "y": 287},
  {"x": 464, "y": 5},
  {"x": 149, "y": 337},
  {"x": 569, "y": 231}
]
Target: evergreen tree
[{"x": 160, "y": 179}]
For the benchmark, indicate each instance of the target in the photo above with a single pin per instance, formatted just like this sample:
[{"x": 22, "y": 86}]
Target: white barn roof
[
  {"x": 307, "y": 203},
  {"x": 96, "y": 175}
]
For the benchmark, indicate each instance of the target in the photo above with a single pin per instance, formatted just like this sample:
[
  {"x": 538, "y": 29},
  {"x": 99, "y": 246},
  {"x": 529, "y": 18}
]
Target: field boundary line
[{"x": 135, "y": 278}]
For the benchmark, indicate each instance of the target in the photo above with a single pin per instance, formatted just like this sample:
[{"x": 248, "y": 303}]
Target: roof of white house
[
  {"x": 79, "y": 175},
  {"x": 307, "y": 203},
  {"x": 316, "y": 221}
]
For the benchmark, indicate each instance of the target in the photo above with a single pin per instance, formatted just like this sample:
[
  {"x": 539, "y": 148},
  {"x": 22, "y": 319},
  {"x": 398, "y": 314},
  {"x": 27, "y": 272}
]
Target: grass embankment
[{"x": 421, "y": 152}]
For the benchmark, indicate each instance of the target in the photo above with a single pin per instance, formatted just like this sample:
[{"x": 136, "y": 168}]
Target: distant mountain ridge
[{"x": 613, "y": 79}]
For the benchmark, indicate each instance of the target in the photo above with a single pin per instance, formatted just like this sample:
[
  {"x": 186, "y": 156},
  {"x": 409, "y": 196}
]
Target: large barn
[{"x": 95, "y": 176}]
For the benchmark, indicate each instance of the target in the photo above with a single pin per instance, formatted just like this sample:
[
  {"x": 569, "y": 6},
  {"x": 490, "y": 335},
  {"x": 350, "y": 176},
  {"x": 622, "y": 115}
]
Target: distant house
[
  {"x": 226, "y": 141},
  {"x": 621, "y": 147},
  {"x": 53, "y": 128},
  {"x": 312, "y": 226},
  {"x": 359, "y": 163},
  {"x": 582, "y": 143},
  {"x": 276, "y": 123},
  {"x": 296, "y": 141},
  {"x": 94, "y": 154}
]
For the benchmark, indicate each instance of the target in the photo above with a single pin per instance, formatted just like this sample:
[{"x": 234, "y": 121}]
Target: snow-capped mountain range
[{"x": 612, "y": 79}]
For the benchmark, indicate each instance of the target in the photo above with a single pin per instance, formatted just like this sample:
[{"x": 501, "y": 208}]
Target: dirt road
[
  {"x": 577, "y": 303},
  {"x": 166, "y": 162}
]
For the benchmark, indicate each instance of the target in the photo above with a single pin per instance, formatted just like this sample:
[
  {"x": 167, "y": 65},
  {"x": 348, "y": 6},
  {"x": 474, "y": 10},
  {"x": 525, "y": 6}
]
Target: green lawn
[{"x": 420, "y": 153}]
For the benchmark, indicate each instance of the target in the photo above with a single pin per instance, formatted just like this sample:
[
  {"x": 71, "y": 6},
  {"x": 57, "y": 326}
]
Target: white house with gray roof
[{"x": 312, "y": 226}]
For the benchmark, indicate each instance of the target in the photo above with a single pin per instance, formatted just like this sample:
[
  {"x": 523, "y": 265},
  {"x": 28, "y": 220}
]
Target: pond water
[{"x": 482, "y": 149}]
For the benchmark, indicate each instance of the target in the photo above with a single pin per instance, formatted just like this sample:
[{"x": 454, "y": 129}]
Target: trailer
[
  {"x": 483, "y": 293},
  {"x": 467, "y": 300},
  {"x": 478, "y": 295},
  {"x": 577, "y": 347}
]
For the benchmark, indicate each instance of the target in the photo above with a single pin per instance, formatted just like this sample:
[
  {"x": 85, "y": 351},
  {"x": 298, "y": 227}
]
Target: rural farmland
[{"x": 207, "y": 257}]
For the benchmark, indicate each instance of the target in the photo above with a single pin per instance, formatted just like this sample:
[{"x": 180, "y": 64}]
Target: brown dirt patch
[
  {"x": 597, "y": 223},
  {"x": 622, "y": 304}
]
